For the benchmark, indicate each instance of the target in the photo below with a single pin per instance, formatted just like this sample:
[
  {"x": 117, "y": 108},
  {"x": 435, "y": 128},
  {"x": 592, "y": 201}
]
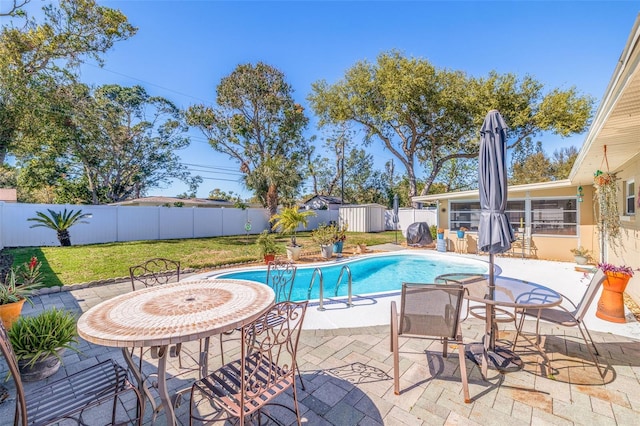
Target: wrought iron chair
[
  {"x": 429, "y": 311},
  {"x": 69, "y": 397},
  {"x": 151, "y": 273},
  {"x": 567, "y": 317},
  {"x": 154, "y": 272},
  {"x": 266, "y": 368},
  {"x": 280, "y": 277}
]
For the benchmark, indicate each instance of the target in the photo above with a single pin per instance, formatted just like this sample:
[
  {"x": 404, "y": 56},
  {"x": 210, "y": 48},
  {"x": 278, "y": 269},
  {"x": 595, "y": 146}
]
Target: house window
[
  {"x": 630, "y": 198},
  {"x": 554, "y": 217},
  {"x": 467, "y": 214}
]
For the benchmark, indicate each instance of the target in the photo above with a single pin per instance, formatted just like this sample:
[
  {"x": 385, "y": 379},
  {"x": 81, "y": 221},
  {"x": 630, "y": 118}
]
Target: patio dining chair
[
  {"x": 501, "y": 315},
  {"x": 280, "y": 277},
  {"x": 151, "y": 273},
  {"x": 156, "y": 271},
  {"x": 70, "y": 397},
  {"x": 266, "y": 368},
  {"x": 571, "y": 316},
  {"x": 428, "y": 311}
]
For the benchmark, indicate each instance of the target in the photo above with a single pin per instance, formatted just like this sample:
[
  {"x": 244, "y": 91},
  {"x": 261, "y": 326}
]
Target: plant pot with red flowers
[
  {"x": 267, "y": 246},
  {"x": 16, "y": 288},
  {"x": 611, "y": 302}
]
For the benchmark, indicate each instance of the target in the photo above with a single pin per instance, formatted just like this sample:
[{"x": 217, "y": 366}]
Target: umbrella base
[{"x": 501, "y": 359}]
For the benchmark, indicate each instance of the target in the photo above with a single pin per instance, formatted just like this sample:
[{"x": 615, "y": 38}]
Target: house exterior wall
[
  {"x": 630, "y": 253},
  {"x": 550, "y": 247}
]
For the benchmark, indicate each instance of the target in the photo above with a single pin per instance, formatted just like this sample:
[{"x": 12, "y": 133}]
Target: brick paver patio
[{"x": 348, "y": 377}]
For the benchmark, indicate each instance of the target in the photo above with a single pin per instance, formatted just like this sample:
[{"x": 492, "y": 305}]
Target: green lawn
[{"x": 79, "y": 264}]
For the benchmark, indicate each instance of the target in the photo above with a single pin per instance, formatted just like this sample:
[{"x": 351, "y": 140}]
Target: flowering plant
[
  {"x": 440, "y": 231},
  {"x": 20, "y": 283},
  {"x": 340, "y": 233},
  {"x": 463, "y": 229},
  {"x": 607, "y": 267}
]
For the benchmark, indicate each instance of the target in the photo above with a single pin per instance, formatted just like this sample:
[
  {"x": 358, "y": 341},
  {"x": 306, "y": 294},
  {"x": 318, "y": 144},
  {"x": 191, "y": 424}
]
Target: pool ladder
[{"x": 318, "y": 272}]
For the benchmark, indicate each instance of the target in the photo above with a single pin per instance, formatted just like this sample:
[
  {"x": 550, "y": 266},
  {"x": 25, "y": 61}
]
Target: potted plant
[
  {"x": 16, "y": 288},
  {"x": 324, "y": 236},
  {"x": 440, "y": 233},
  {"x": 39, "y": 341},
  {"x": 267, "y": 245},
  {"x": 338, "y": 238},
  {"x": 461, "y": 231},
  {"x": 606, "y": 209},
  {"x": 288, "y": 221},
  {"x": 611, "y": 302},
  {"x": 361, "y": 245},
  {"x": 581, "y": 255}
]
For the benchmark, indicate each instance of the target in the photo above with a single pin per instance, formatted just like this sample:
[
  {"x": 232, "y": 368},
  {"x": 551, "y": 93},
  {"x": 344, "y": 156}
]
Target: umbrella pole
[{"x": 490, "y": 311}]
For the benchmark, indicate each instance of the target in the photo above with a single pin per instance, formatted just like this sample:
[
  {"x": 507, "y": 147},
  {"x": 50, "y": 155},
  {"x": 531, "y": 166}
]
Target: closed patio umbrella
[{"x": 495, "y": 234}]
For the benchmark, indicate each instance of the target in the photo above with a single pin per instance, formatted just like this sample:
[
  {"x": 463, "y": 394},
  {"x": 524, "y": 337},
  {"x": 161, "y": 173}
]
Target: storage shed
[{"x": 363, "y": 217}]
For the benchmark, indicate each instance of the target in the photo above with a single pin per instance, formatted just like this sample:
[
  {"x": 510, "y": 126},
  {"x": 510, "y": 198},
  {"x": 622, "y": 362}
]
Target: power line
[{"x": 149, "y": 83}]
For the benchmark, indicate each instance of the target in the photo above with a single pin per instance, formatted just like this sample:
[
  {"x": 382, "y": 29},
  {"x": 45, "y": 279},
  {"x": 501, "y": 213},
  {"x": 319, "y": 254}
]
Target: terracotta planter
[
  {"x": 10, "y": 313},
  {"x": 269, "y": 258},
  {"x": 611, "y": 303}
]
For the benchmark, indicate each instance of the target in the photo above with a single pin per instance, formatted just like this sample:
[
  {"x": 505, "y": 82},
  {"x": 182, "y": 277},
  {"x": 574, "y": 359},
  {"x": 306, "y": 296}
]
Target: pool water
[{"x": 372, "y": 274}]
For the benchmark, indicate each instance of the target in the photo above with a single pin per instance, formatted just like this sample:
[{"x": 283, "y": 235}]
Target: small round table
[
  {"x": 506, "y": 292},
  {"x": 171, "y": 314}
]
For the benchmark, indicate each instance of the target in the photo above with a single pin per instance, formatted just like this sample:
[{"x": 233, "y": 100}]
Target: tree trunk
[
  {"x": 64, "y": 238},
  {"x": 272, "y": 199}
]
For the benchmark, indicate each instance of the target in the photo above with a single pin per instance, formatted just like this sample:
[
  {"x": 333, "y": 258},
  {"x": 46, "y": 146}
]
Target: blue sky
[{"x": 184, "y": 48}]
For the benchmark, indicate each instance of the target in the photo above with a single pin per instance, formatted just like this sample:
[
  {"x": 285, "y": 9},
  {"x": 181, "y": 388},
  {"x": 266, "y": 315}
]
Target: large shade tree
[
  {"x": 427, "y": 116},
  {"x": 37, "y": 56},
  {"x": 124, "y": 141},
  {"x": 257, "y": 123}
]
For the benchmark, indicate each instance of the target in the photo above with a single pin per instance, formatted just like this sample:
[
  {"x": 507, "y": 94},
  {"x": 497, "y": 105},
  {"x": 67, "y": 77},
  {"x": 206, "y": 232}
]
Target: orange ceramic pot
[
  {"x": 611, "y": 303},
  {"x": 269, "y": 258},
  {"x": 10, "y": 312}
]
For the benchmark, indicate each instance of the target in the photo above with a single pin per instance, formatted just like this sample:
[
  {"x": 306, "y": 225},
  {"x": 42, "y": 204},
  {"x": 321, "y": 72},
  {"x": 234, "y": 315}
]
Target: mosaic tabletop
[{"x": 174, "y": 313}]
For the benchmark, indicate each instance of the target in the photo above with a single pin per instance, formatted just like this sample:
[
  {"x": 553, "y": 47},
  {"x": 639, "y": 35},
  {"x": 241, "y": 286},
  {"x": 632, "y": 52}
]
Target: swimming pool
[{"x": 371, "y": 274}]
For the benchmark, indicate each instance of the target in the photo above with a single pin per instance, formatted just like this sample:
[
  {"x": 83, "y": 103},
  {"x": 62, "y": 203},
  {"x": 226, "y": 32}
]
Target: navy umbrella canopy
[{"x": 495, "y": 234}]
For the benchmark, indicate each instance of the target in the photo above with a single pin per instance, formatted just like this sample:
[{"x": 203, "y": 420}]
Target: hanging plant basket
[{"x": 606, "y": 207}]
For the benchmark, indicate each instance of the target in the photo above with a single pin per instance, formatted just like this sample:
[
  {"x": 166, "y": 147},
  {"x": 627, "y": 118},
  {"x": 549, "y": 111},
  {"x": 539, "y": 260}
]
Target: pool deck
[{"x": 346, "y": 366}]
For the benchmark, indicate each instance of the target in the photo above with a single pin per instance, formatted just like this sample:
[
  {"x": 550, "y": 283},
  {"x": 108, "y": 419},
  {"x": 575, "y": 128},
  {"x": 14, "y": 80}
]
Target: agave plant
[{"x": 60, "y": 222}]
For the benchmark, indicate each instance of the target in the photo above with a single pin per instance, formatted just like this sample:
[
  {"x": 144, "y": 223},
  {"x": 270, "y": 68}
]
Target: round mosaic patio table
[{"x": 171, "y": 314}]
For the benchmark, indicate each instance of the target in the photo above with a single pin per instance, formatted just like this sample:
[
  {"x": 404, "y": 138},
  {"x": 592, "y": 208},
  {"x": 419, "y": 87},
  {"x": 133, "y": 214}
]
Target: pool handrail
[
  {"x": 317, "y": 271},
  {"x": 345, "y": 267}
]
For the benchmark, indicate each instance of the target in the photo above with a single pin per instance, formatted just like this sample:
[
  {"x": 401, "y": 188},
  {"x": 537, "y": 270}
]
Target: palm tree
[
  {"x": 289, "y": 219},
  {"x": 60, "y": 222}
]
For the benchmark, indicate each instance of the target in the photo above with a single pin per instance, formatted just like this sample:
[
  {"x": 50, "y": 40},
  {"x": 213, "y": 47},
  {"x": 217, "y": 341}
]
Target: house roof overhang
[
  {"x": 616, "y": 124},
  {"x": 530, "y": 187}
]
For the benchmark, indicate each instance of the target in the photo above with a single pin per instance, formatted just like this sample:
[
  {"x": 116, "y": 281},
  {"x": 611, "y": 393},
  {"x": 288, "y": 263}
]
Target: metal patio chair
[
  {"x": 572, "y": 316},
  {"x": 151, "y": 273},
  {"x": 280, "y": 277},
  {"x": 69, "y": 397},
  {"x": 154, "y": 272},
  {"x": 501, "y": 315},
  {"x": 266, "y": 368},
  {"x": 428, "y": 311}
]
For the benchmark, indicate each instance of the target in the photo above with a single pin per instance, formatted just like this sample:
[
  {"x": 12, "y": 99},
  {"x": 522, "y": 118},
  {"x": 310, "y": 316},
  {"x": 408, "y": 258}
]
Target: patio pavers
[{"x": 348, "y": 376}]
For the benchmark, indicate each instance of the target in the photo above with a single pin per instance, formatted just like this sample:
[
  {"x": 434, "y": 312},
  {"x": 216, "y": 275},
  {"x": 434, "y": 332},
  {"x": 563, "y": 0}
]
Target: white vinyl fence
[
  {"x": 130, "y": 223},
  {"x": 408, "y": 216}
]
